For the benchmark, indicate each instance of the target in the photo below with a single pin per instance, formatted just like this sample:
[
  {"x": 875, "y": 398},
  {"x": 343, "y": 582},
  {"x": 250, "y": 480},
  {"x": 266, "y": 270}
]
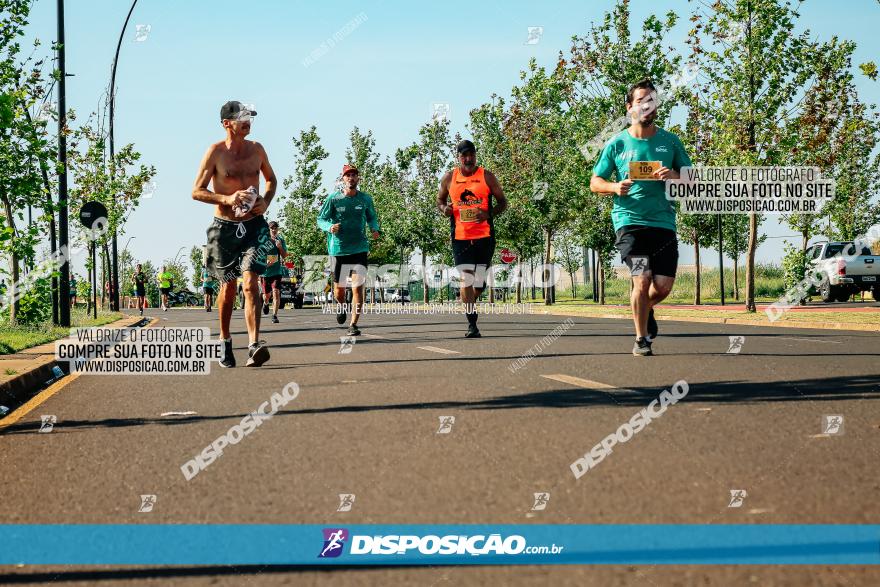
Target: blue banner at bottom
[{"x": 255, "y": 544}]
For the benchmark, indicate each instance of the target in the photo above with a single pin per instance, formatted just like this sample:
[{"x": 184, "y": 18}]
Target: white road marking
[
  {"x": 587, "y": 383},
  {"x": 435, "y": 349},
  {"x": 178, "y": 413},
  {"x": 810, "y": 339},
  {"x": 371, "y": 335}
]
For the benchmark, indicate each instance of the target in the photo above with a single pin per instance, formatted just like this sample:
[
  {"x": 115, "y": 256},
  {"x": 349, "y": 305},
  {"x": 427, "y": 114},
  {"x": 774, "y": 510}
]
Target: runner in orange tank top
[{"x": 465, "y": 196}]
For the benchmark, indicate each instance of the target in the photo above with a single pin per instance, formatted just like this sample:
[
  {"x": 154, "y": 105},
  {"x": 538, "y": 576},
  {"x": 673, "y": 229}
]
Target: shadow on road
[{"x": 830, "y": 389}]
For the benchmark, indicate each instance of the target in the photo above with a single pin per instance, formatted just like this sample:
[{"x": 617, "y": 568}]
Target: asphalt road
[{"x": 366, "y": 422}]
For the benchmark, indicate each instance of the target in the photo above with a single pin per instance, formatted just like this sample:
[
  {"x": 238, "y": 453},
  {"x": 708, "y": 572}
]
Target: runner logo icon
[{"x": 334, "y": 541}]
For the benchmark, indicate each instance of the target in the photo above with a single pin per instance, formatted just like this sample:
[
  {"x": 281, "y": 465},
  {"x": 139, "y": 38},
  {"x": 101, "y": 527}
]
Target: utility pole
[
  {"x": 721, "y": 259},
  {"x": 64, "y": 284},
  {"x": 114, "y": 279}
]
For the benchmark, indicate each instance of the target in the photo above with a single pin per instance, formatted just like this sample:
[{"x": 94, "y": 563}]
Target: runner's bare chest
[{"x": 237, "y": 171}]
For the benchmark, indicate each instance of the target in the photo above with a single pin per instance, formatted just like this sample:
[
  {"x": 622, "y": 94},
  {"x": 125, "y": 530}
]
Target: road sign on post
[{"x": 507, "y": 256}]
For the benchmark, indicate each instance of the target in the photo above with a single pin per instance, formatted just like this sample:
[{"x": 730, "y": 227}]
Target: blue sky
[{"x": 384, "y": 76}]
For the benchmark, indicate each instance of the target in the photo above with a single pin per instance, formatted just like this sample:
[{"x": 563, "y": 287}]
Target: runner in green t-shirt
[
  {"x": 345, "y": 215},
  {"x": 643, "y": 218},
  {"x": 275, "y": 270},
  {"x": 72, "y": 290},
  {"x": 166, "y": 282},
  {"x": 209, "y": 286}
]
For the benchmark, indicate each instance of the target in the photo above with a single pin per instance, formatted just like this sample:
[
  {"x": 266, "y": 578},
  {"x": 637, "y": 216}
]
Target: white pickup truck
[{"x": 841, "y": 278}]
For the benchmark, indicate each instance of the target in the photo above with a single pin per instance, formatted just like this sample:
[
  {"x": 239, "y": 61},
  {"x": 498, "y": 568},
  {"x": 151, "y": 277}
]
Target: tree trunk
[
  {"x": 697, "y": 283},
  {"x": 13, "y": 287},
  {"x": 519, "y": 277},
  {"x": 601, "y": 281},
  {"x": 13, "y": 290},
  {"x": 425, "y": 290},
  {"x": 736, "y": 278},
  {"x": 532, "y": 277},
  {"x": 586, "y": 272},
  {"x": 546, "y": 272},
  {"x": 750, "y": 263}
]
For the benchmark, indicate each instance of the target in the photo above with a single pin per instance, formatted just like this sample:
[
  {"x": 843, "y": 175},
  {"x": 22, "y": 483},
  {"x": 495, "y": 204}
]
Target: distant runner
[
  {"x": 275, "y": 270},
  {"x": 238, "y": 237},
  {"x": 643, "y": 218},
  {"x": 344, "y": 216},
  {"x": 166, "y": 282},
  {"x": 471, "y": 190},
  {"x": 72, "y": 290},
  {"x": 140, "y": 287},
  {"x": 209, "y": 286}
]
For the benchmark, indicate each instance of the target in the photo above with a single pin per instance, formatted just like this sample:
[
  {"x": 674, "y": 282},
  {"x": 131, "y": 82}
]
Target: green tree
[
  {"x": 302, "y": 199},
  {"x": 197, "y": 262},
  {"x": 23, "y": 152},
  {"x": 757, "y": 74}
]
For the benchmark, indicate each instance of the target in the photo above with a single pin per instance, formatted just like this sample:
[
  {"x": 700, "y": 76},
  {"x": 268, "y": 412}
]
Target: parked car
[
  {"x": 397, "y": 295},
  {"x": 309, "y": 298},
  {"x": 840, "y": 278}
]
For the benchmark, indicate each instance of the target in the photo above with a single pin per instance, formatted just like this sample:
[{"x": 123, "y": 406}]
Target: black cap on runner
[
  {"x": 233, "y": 109},
  {"x": 465, "y": 146}
]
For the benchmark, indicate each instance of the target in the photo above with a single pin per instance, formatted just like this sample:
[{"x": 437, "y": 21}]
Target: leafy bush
[
  {"x": 793, "y": 265},
  {"x": 35, "y": 306}
]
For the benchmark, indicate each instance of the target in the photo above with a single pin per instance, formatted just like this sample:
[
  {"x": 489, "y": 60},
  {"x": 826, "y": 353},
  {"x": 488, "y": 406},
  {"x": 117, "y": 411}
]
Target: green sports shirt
[{"x": 646, "y": 203}]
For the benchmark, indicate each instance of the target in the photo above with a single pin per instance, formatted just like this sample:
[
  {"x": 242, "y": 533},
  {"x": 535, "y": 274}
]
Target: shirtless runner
[{"x": 238, "y": 238}]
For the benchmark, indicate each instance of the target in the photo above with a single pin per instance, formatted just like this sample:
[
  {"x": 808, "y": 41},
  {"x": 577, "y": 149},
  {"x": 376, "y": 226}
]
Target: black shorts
[
  {"x": 473, "y": 252},
  {"x": 140, "y": 292},
  {"x": 270, "y": 283},
  {"x": 208, "y": 290},
  {"x": 235, "y": 247},
  {"x": 648, "y": 248},
  {"x": 165, "y": 290},
  {"x": 355, "y": 260}
]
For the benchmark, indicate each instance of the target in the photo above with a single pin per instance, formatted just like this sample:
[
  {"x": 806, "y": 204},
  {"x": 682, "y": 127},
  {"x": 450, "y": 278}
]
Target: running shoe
[
  {"x": 340, "y": 317},
  {"x": 265, "y": 309},
  {"x": 353, "y": 330},
  {"x": 473, "y": 332},
  {"x": 257, "y": 354},
  {"x": 652, "y": 326},
  {"x": 642, "y": 348},
  {"x": 228, "y": 358},
  {"x": 274, "y": 319}
]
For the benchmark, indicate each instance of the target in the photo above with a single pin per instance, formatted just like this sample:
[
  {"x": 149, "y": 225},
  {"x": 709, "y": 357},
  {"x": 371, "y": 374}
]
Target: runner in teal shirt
[
  {"x": 275, "y": 271},
  {"x": 345, "y": 216},
  {"x": 209, "y": 286},
  {"x": 644, "y": 220}
]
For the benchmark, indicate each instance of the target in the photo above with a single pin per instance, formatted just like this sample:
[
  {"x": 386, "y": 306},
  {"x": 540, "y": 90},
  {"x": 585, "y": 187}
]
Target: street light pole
[
  {"x": 114, "y": 300},
  {"x": 64, "y": 285}
]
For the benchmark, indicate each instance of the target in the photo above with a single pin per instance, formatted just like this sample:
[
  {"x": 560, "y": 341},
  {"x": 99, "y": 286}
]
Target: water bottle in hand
[{"x": 245, "y": 207}]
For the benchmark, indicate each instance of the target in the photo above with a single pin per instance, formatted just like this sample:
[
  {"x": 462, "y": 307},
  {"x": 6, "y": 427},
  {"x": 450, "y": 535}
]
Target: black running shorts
[
  {"x": 648, "y": 248},
  {"x": 235, "y": 247},
  {"x": 473, "y": 252},
  {"x": 349, "y": 262}
]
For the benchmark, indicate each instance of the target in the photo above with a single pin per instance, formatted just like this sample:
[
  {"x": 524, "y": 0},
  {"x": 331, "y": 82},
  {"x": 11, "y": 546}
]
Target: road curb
[
  {"x": 736, "y": 321},
  {"x": 40, "y": 370}
]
